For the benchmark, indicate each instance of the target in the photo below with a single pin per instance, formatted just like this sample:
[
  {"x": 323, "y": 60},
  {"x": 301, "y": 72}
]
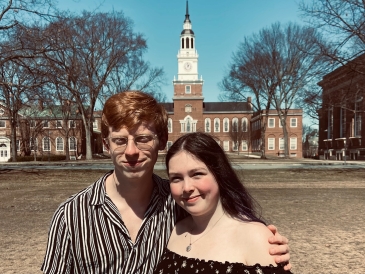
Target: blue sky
[{"x": 219, "y": 27}]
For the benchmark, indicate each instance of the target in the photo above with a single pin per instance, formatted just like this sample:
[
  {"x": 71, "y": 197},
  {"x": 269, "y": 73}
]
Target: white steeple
[{"x": 187, "y": 56}]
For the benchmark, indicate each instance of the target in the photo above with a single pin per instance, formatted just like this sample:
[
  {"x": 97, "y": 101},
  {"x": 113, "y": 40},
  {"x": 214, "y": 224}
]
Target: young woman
[{"x": 224, "y": 233}]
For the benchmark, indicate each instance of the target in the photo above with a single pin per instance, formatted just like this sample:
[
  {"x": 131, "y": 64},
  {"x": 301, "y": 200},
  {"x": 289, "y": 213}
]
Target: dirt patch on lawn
[{"x": 320, "y": 211}]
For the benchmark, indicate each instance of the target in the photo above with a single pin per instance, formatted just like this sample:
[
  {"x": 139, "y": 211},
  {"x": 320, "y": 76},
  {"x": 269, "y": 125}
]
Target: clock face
[{"x": 187, "y": 66}]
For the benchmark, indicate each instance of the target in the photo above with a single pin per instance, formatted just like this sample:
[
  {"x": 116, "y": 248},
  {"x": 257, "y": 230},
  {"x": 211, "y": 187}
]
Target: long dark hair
[{"x": 236, "y": 200}]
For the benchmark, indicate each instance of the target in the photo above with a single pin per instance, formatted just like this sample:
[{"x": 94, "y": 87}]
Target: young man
[{"x": 122, "y": 222}]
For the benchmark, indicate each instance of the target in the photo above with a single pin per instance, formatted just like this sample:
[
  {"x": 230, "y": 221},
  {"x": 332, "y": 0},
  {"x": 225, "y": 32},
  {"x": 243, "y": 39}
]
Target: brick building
[
  {"x": 233, "y": 123},
  {"x": 341, "y": 131}
]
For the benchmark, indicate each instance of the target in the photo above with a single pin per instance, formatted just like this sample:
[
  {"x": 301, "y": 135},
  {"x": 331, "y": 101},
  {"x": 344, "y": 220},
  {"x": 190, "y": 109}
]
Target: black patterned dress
[{"x": 172, "y": 263}]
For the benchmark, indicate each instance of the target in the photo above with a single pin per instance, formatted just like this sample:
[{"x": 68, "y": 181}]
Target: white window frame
[
  {"x": 291, "y": 122},
  {"x": 244, "y": 121},
  {"x": 226, "y": 125},
  {"x": 59, "y": 123},
  {"x": 95, "y": 124},
  {"x": 72, "y": 145},
  {"x": 226, "y": 145},
  {"x": 60, "y": 145},
  {"x": 187, "y": 89},
  {"x": 46, "y": 124},
  {"x": 71, "y": 124},
  {"x": 168, "y": 145},
  {"x": 273, "y": 123},
  {"x": 244, "y": 145},
  {"x": 207, "y": 128},
  {"x": 169, "y": 125},
  {"x": 217, "y": 120},
  {"x": 235, "y": 122},
  {"x": 2, "y": 124},
  {"x": 293, "y": 143},
  {"x": 46, "y": 143},
  {"x": 235, "y": 146},
  {"x": 281, "y": 143},
  {"x": 270, "y": 143}
]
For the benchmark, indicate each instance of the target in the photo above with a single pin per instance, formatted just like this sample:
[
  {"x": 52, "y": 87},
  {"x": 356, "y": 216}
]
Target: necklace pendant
[{"x": 188, "y": 248}]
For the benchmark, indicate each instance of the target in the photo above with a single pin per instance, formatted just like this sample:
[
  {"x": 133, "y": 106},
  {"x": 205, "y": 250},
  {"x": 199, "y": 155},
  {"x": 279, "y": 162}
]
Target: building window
[
  {"x": 95, "y": 124},
  {"x": 1, "y": 112},
  {"x": 343, "y": 123},
  {"x": 59, "y": 144},
  {"x": 72, "y": 143},
  {"x": 225, "y": 125},
  {"x": 32, "y": 123},
  {"x": 234, "y": 125},
  {"x": 271, "y": 143},
  {"x": 187, "y": 42},
  {"x": 358, "y": 119},
  {"x": 169, "y": 125},
  {"x": 207, "y": 124},
  {"x": 330, "y": 123},
  {"x": 217, "y": 125},
  {"x": 293, "y": 143},
  {"x": 244, "y": 146},
  {"x": 168, "y": 145},
  {"x": 235, "y": 146},
  {"x": 33, "y": 145},
  {"x": 293, "y": 122},
  {"x": 188, "y": 124},
  {"x": 244, "y": 124},
  {"x": 46, "y": 124},
  {"x": 192, "y": 43},
  {"x": 71, "y": 124},
  {"x": 58, "y": 124},
  {"x": 46, "y": 144},
  {"x": 182, "y": 43},
  {"x": 17, "y": 145},
  {"x": 271, "y": 123},
  {"x": 188, "y": 108},
  {"x": 281, "y": 143},
  {"x": 187, "y": 89},
  {"x": 226, "y": 145},
  {"x": 2, "y": 124}
]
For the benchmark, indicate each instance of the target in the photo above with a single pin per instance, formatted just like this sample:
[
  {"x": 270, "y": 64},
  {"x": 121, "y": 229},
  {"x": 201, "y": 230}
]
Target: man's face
[{"x": 134, "y": 151}]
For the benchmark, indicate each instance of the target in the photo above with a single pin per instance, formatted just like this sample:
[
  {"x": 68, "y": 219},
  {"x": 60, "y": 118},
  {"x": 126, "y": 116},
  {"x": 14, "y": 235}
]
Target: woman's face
[{"x": 192, "y": 185}]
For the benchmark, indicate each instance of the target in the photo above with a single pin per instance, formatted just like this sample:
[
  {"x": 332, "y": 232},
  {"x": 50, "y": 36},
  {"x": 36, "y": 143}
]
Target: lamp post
[{"x": 345, "y": 145}]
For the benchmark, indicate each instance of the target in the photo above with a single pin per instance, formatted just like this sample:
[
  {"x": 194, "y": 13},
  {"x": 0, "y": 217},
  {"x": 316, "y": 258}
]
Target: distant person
[
  {"x": 123, "y": 221},
  {"x": 223, "y": 233}
]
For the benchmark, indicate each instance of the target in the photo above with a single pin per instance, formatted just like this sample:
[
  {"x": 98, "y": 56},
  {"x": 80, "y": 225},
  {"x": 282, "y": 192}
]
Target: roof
[{"x": 213, "y": 107}]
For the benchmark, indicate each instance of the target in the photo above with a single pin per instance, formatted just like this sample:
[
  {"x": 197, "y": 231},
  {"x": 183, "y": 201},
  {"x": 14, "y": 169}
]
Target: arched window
[
  {"x": 46, "y": 144},
  {"x": 182, "y": 43},
  {"x": 234, "y": 125},
  {"x": 217, "y": 125},
  {"x": 192, "y": 43},
  {"x": 244, "y": 124},
  {"x": 188, "y": 125},
  {"x": 225, "y": 125},
  {"x": 169, "y": 125},
  {"x": 59, "y": 144},
  {"x": 207, "y": 124},
  {"x": 187, "y": 42},
  {"x": 72, "y": 144}
]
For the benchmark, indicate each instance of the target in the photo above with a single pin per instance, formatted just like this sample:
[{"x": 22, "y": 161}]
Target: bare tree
[
  {"x": 275, "y": 66},
  {"x": 240, "y": 133},
  {"x": 343, "y": 24},
  {"x": 94, "y": 55}
]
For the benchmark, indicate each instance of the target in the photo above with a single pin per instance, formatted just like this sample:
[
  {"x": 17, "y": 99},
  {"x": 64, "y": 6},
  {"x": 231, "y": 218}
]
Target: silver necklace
[{"x": 188, "y": 248}]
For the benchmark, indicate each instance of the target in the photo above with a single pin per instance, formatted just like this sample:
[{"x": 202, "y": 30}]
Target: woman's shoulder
[{"x": 254, "y": 236}]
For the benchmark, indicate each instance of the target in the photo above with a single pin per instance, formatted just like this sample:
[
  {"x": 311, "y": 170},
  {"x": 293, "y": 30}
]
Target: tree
[
  {"x": 275, "y": 65},
  {"x": 94, "y": 55},
  {"x": 343, "y": 24},
  {"x": 240, "y": 133}
]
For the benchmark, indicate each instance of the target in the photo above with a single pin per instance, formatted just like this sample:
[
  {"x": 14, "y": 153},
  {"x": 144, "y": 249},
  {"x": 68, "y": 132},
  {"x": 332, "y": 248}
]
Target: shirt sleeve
[{"x": 58, "y": 258}]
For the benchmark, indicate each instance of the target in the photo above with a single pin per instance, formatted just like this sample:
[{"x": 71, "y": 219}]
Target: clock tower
[{"x": 187, "y": 84}]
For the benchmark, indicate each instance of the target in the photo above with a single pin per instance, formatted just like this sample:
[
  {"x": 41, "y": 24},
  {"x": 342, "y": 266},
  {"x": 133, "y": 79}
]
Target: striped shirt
[{"x": 87, "y": 233}]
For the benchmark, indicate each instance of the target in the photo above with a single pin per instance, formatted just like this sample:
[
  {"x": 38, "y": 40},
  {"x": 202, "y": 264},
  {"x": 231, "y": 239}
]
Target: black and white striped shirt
[{"x": 87, "y": 233}]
